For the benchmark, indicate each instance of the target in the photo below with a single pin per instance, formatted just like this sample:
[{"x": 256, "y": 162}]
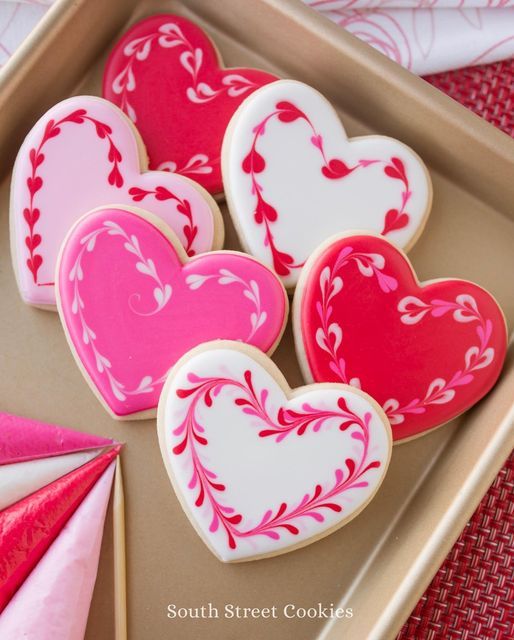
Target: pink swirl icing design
[{"x": 133, "y": 304}]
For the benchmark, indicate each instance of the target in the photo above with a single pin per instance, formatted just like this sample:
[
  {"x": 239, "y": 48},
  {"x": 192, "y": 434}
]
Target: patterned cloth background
[
  {"x": 429, "y": 36},
  {"x": 425, "y": 36},
  {"x": 17, "y": 19}
]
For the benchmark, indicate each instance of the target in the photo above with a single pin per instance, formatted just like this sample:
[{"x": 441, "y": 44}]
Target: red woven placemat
[
  {"x": 486, "y": 90},
  {"x": 472, "y": 595}
]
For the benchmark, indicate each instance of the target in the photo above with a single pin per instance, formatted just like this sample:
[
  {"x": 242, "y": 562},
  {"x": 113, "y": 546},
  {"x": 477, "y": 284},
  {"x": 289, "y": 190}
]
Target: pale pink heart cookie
[
  {"x": 82, "y": 154},
  {"x": 258, "y": 468},
  {"x": 132, "y": 304},
  {"x": 293, "y": 178}
]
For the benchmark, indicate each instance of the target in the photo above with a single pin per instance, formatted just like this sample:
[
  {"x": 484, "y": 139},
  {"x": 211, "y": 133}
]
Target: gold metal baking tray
[{"x": 379, "y": 564}]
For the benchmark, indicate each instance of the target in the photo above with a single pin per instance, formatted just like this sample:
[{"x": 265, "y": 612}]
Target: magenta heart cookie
[
  {"x": 293, "y": 178},
  {"x": 425, "y": 351},
  {"x": 168, "y": 78},
  {"x": 82, "y": 154},
  {"x": 132, "y": 304},
  {"x": 261, "y": 469}
]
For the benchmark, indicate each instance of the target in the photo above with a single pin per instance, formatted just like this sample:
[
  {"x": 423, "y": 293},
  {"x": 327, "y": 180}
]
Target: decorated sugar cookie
[
  {"x": 261, "y": 469},
  {"x": 84, "y": 153},
  {"x": 168, "y": 78},
  {"x": 425, "y": 351},
  {"x": 132, "y": 304},
  {"x": 292, "y": 178}
]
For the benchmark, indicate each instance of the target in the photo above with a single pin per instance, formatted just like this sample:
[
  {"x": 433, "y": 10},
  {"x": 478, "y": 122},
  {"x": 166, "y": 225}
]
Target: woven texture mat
[
  {"x": 472, "y": 595},
  {"x": 487, "y": 90}
]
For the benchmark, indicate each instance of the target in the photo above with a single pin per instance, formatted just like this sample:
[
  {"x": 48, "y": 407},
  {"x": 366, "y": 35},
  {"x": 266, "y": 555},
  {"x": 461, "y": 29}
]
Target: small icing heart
[
  {"x": 82, "y": 154},
  {"x": 132, "y": 304},
  {"x": 261, "y": 469},
  {"x": 425, "y": 351},
  {"x": 166, "y": 75},
  {"x": 293, "y": 178}
]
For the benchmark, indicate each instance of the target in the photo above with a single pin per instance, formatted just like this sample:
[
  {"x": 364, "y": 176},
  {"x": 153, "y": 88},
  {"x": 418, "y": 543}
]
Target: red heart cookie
[
  {"x": 132, "y": 304},
  {"x": 165, "y": 74},
  {"x": 425, "y": 351}
]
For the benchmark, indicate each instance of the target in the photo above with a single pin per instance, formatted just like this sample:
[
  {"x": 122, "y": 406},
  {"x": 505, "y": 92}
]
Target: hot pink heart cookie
[
  {"x": 84, "y": 153},
  {"x": 132, "y": 304},
  {"x": 425, "y": 351},
  {"x": 168, "y": 78},
  {"x": 293, "y": 178},
  {"x": 261, "y": 469}
]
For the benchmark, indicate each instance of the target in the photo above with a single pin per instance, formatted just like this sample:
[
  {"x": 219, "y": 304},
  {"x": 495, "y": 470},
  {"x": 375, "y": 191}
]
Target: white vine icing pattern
[
  {"x": 197, "y": 165},
  {"x": 329, "y": 335},
  {"x": 161, "y": 293},
  {"x": 441, "y": 391},
  {"x": 168, "y": 36},
  {"x": 250, "y": 291}
]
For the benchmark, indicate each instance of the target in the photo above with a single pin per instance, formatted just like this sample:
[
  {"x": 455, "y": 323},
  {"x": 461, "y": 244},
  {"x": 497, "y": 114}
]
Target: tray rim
[{"x": 482, "y": 132}]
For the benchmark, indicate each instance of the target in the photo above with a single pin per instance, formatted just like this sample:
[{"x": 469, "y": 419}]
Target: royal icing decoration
[
  {"x": 82, "y": 154},
  {"x": 293, "y": 178},
  {"x": 259, "y": 469},
  {"x": 425, "y": 352},
  {"x": 131, "y": 308},
  {"x": 165, "y": 74}
]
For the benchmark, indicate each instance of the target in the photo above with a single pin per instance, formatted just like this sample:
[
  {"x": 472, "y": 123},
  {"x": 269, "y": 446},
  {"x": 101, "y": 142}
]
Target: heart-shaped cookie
[
  {"x": 132, "y": 304},
  {"x": 82, "y": 154},
  {"x": 293, "y": 179},
  {"x": 167, "y": 77},
  {"x": 425, "y": 351},
  {"x": 261, "y": 469}
]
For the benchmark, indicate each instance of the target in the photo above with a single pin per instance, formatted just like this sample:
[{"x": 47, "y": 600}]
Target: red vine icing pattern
[
  {"x": 35, "y": 181},
  {"x": 287, "y": 422},
  {"x": 329, "y": 336},
  {"x": 190, "y": 229},
  {"x": 333, "y": 169}
]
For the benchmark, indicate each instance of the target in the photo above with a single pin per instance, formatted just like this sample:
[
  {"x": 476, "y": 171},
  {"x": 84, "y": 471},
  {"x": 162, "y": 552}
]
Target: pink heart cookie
[
  {"x": 132, "y": 304},
  {"x": 82, "y": 154},
  {"x": 167, "y": 76},
  {"x": 293, "y": 178},
  {"x": 258, "y": 468}
]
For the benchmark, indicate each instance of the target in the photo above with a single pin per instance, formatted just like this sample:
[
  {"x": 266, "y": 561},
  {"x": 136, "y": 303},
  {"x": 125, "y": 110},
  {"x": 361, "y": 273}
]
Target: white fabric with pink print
[
  {"x": 425, "y": 36},
  {"x": 428, "y": 36}
]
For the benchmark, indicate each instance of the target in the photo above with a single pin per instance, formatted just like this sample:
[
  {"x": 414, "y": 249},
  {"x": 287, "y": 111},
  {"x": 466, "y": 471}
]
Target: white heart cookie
[
  {"x": 260, "y": 469},
  {"x": 292, "y": 178}
]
